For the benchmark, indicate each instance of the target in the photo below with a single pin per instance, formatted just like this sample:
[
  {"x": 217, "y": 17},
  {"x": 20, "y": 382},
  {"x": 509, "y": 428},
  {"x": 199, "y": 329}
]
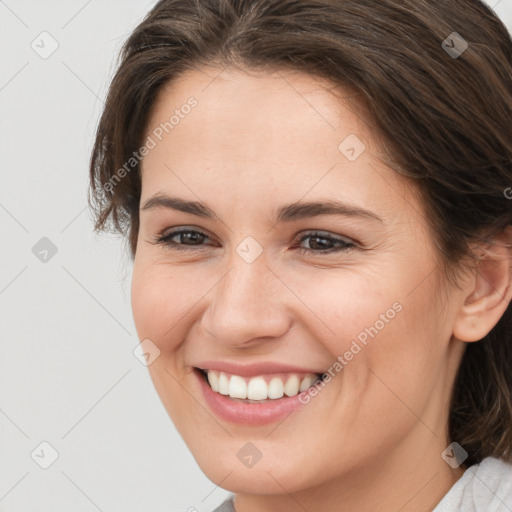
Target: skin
[{"x": 372, "y": 439}]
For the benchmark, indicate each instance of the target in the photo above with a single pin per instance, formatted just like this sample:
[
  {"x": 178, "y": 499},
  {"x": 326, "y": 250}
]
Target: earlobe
[{"x": 488, "y": 290}]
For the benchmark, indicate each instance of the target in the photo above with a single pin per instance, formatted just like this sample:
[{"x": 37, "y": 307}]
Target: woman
[{"x": 316, "y": 194}]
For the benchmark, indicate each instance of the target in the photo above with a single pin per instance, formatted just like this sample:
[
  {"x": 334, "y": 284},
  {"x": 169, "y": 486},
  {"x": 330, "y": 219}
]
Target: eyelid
[
  {"x": 322, "y": 233},
  {"x": 168, "y": 233},
  {"x": 182, "y": 229},
  {"x": 346, "y": 244},
  {"x": 163, "y": 238}
]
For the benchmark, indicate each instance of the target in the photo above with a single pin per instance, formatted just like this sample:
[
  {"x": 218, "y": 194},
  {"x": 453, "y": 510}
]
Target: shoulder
[
  {"x": 226, "y": 506},
  {"x": 484, "y": 486}
]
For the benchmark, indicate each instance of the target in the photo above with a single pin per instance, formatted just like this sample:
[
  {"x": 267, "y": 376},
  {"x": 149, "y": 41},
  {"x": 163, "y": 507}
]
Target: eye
[
  {"x": 185, "y": 237},
  {"x": 322, "y": 243},
  {"x": 319, "y": 242}
]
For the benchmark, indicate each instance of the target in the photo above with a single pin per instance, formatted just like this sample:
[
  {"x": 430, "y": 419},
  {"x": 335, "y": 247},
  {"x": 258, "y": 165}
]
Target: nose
[{"x": 248, "y": 305}]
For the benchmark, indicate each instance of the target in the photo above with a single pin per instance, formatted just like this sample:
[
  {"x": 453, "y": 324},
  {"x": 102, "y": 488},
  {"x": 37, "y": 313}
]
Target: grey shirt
[
  {"x": 483, "y": 487},
  {"x": 226, "y": 506}
]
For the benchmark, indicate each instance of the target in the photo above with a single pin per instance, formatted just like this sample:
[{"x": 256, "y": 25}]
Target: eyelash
[{"x": 345, "y": 245}]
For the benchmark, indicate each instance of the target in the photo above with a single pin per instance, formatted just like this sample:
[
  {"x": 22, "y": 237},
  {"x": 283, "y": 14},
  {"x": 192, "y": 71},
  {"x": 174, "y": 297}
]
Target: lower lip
[{"x": 243, "y": 413}]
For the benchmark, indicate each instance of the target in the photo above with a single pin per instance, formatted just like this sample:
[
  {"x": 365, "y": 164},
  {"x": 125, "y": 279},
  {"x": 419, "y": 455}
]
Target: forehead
[
  {"x": 245, "y": 103},
  {"x": 264, "y": 134}
]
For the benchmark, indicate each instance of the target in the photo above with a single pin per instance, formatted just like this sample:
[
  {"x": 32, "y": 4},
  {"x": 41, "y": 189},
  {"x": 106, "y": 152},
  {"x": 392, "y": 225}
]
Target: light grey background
[{"x": 68, "y": 375}]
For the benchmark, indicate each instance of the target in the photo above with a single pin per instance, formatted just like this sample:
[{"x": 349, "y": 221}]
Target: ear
[{"x": 487, "y": 290}]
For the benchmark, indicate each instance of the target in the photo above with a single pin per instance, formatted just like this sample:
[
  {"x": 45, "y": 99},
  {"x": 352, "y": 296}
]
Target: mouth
[
  {"x": 258, "y": 394},
  {"x": 258, "y": 389}
]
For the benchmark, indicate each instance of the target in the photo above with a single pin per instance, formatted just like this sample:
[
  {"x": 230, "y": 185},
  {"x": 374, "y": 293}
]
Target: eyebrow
[{"x": 287, "y": 213}]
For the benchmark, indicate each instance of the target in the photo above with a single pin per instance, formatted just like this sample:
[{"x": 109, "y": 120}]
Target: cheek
[
  {"x": 373, "y": 326},
  {"x": 344, "y": 308},
  {"x": 161, "y": 298},
  {"x": 160, "y": 306}
]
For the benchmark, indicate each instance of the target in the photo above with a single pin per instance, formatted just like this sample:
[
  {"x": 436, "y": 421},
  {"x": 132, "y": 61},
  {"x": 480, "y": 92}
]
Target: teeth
[
  {"x": 291, "y": 388},
  {"x": 213, "y": 379},
  {"x": 275, "y": 388},
  {"x": 305, "y": 384},
  {"x": 259, "y": 388},
  {"x": 237, "y": 387},
  {"x": 223, "y": 384}
]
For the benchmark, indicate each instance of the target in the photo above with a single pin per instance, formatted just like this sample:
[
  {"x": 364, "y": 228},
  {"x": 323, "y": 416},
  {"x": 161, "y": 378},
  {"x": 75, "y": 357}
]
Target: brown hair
[{"x": 446, "y": 120}]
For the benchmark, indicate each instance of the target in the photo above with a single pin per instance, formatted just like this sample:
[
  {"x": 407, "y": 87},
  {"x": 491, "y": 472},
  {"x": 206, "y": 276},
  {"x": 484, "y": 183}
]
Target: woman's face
[{"x": 266, "y": 171}]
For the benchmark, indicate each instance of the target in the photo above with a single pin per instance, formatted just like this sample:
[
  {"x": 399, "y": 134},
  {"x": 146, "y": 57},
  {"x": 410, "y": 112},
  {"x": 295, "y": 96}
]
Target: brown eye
[
  {"x": 322, "y": 243},
  {"x": 180, "y": 238}
]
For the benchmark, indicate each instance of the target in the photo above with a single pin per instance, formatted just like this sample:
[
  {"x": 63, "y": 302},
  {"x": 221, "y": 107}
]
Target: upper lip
[{"x": 254, "y": 369}]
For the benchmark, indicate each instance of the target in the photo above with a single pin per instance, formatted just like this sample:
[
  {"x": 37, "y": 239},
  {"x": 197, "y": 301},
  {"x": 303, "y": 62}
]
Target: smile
[
  {"x": 257, "y": 399},
  {"x": 260, "y": 388}
]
